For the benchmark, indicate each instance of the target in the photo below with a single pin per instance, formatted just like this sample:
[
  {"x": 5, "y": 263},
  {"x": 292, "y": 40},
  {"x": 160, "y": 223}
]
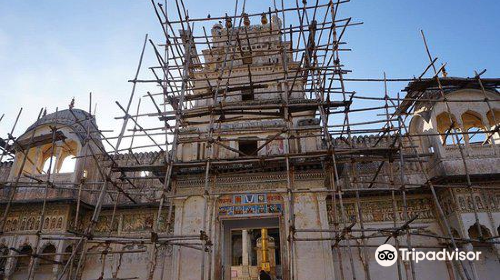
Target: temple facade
[{"x": 62, "y": 175}]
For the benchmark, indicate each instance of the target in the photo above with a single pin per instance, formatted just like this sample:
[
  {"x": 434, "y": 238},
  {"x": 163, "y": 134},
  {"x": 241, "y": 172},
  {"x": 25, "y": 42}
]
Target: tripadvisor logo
[{"x": 387, "y": 255}]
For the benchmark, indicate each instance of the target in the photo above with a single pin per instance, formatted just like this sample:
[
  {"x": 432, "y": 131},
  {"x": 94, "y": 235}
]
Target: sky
[{"x": 53, "y": 51}]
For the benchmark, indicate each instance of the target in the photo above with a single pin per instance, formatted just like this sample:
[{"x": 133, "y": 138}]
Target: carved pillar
[
  {"x": 244, "y": 243},
  {"x": 245, "y": 251},
  {"x": 58, "y": 258},
  {"x": 57, "y": 164}
]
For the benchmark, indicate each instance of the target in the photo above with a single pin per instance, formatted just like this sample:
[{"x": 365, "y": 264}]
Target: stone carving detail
[
  {"x": 252, "y": 180},
  {"x": 381, "y": 210},
  {"x": 483, "y": 203},
  {"x": 137, "y": 222},
  {"x": 25, "y": 219},
  {"x": 126, "y": 222}
]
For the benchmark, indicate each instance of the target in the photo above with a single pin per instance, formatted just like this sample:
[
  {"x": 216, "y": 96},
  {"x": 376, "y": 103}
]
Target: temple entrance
[{"x": 252, "y": 245}]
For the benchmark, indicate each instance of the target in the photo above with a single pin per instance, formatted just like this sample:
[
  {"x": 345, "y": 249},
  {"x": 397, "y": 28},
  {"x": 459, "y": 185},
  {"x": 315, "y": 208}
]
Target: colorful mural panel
[{"x": 250, "y": 204}]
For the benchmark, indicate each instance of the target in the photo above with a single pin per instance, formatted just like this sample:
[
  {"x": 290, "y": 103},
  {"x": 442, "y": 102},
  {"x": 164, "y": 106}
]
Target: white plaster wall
[
  {"x": 129, "y": 265},
  {"x": 312, "y": 257},
  {"x": 188, "y": 220}
]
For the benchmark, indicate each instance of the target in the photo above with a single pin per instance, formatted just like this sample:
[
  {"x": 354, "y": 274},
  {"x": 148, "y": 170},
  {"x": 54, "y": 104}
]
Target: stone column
[
  {"x": 58, "y": 258},
  {"x": 245, "y": 270},
  {"x": 244, "y": 243}
]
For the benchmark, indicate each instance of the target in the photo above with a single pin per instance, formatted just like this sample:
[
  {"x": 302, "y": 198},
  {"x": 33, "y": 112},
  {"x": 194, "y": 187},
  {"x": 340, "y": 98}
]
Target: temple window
[
  {"x": 67, "y": 254},
  {"x": 248, "y": 147},
  {"x": 200, "y": 152},
  {"x": 476, "y": 235},
  {"x": 476, "y": 135},
  {"x": 60, "y": 158},
  {"x": 446, "y": 126},
  {"x": 49, "y": 165},
  {"x": 68, "y": 164},
  {"x": 473, "y": 124},
  {"x": 23, "y": 261},
  {"x": 47, "y": 262}
]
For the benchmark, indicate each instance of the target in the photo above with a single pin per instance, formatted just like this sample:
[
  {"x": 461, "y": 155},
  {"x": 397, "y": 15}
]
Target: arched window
[
  {"x": 67, "y": 253},
  {"x": 23, "y": 262},
  {"x": 74, "y": 261},
  {"x": 446, "y": 126},
  {"x": 475, "y": 234},
  {"x": 49, "y": 164},
  {"x": 48, "y": 257},
  {"x": 476, "y": 135},
  {"x": 473, "y": 124},
  {"x": 68, "y": 164}
]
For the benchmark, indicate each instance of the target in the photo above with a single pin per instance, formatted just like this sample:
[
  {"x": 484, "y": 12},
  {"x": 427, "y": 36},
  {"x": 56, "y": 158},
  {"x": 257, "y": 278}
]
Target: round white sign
[{"x": 386, "y": 255}]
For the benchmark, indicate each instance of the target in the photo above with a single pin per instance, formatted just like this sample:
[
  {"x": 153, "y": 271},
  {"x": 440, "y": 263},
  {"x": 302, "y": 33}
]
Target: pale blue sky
[{"x": 53, "y": 50}]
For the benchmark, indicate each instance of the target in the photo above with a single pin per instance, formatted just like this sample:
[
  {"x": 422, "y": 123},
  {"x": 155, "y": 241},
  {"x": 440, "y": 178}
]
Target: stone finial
[
  {"x": 263, "y": 19},
  {"x": 275, "y": 22},
  {"x": 216, "y": 29},
  {"x": 246, "y": 20},
  {"x": 229, "y": 23},
  {"x": 445, "y": 74}
]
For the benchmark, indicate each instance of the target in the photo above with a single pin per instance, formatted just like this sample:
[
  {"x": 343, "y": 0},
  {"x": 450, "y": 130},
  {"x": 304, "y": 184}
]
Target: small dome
[{"x": 78, "y": 120}]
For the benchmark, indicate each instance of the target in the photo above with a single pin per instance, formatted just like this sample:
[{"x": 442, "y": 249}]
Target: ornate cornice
[{"x": 249, "y": 179}]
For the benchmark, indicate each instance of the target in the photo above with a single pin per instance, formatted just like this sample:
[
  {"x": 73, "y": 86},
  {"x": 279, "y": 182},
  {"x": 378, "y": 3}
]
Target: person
[{"x": 264, "y": 276}]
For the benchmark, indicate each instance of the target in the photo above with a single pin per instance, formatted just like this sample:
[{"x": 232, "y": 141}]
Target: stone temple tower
[{"x": 266, "y": 117}]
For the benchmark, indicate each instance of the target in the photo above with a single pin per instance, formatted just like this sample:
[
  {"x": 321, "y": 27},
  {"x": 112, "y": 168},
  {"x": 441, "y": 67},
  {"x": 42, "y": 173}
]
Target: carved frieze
[
  {"x": 129, "y": 222},
  {"x": 28, "y": 219},
  {"x": 268, "y": 180},
  {"x": 484, "y": 201},
  {"x": 381, "y": 210}
]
